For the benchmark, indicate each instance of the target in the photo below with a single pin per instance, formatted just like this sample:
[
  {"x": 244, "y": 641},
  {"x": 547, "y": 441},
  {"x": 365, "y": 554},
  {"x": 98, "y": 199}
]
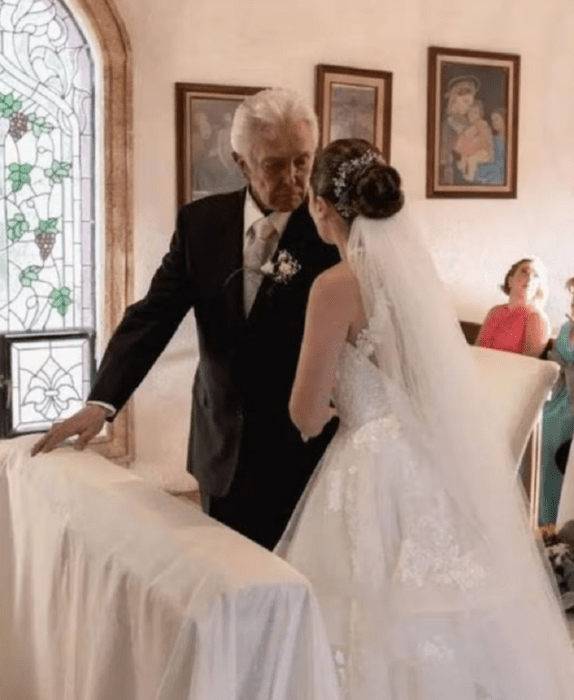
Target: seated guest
[
  {"x": 558, "y": 418},
  {"x": 521, "y": 325}
]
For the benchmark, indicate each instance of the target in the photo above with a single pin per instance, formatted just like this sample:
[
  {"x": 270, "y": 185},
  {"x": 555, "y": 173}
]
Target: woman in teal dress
[{"x": 557, "y": 418}]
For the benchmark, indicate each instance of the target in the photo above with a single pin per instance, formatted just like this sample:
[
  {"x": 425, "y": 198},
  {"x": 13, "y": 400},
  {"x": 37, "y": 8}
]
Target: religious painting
[
  {"x": 472, "y": 126},
  {"x": 354, "y": 103},
  {"x": 205, "y": 164}
]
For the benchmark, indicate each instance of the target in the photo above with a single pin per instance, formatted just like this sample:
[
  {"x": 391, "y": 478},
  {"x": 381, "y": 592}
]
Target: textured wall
[{"x": 266, "y": 42}]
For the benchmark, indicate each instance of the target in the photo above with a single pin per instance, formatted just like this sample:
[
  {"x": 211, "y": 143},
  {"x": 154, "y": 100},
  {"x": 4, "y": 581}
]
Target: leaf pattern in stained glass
[{"x": 47, "y": 279}]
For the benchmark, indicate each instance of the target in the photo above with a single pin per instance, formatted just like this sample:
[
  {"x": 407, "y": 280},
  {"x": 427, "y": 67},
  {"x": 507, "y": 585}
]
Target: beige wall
[{"x": 267, "y": 42}]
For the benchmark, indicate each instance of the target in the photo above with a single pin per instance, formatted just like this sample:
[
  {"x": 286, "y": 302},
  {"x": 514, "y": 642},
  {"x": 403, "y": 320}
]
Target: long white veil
[
  {"x": 434, "y": 390},
  {"x": 414, "y": 530}
]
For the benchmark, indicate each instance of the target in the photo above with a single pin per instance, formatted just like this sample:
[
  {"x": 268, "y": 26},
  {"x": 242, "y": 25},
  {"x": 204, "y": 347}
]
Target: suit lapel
[
  {"x": 295, "y": 237},
  {"x": 231, "y": 260}
]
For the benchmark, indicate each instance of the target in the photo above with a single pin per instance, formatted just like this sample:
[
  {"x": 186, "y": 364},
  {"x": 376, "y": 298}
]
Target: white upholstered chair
[{"x": 519, "y": 387}]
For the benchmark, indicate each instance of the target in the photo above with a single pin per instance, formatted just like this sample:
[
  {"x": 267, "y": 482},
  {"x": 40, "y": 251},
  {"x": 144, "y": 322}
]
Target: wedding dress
[{"x": 429, "y": 591}]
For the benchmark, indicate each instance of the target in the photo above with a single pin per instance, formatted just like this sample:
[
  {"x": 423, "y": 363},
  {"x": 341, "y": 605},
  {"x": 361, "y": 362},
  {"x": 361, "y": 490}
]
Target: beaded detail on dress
[
  {"x": 429, "y": 552},
  {"x": 360, "y": 394},
  {"x": 410, "y": 590}
]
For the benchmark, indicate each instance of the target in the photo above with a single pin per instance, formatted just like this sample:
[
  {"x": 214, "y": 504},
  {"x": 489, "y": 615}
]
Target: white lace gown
[{"x": 408, "y": 604}]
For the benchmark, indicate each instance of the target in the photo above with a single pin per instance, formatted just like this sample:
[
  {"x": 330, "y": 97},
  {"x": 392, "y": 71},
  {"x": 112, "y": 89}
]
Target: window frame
[
  {"x": 112, "y": 55},
  {"x": 108, "y": 33}
]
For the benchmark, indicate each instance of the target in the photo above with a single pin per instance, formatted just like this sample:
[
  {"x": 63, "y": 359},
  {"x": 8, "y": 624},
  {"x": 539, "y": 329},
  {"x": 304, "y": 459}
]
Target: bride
[{"x": 412, "y": 529}]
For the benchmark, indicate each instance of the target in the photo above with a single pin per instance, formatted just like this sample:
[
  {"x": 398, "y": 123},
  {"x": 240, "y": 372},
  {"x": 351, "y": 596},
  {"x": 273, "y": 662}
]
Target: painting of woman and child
[{"x": 473, "y": 102}]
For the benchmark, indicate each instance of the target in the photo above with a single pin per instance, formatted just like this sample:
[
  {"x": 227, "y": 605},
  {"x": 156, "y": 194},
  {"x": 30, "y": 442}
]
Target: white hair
[{"x": 269, "y": 109}]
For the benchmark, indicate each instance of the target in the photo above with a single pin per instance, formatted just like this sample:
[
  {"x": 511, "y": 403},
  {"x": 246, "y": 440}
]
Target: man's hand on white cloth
[{"x": 86, "y": 424}]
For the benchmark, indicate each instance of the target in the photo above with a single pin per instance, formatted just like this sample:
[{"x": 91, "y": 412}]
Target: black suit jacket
[{"x": 247, "y": 365}]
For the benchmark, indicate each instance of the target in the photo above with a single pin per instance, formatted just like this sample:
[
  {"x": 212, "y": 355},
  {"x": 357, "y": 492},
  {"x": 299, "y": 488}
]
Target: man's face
[{"x": 279, "y": 166}]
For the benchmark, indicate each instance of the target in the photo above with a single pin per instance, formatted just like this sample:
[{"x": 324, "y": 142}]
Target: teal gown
[{"x": 557, "y": 427}]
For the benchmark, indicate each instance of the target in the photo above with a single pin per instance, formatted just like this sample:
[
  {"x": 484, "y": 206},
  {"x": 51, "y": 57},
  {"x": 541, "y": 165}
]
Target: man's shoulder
[
  {"x": 320, "y": 254},
  {"x": 302, "y": 221},
  {"x": 301, "y": 217},
  {"x": 213, "y": 206}
]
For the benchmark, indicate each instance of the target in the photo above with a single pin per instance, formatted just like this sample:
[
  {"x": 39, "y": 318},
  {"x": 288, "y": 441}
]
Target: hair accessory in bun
[{"x": 341, "y": 180}]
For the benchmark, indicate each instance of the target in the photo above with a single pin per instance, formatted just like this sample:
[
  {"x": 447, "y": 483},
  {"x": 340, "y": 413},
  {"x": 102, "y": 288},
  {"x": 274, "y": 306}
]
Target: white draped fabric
[{"x": 113, "y": 590}]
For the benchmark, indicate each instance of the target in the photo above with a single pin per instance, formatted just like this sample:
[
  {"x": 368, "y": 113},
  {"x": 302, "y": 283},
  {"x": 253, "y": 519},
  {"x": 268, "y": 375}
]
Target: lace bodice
[{"x": 359, "y": 392}]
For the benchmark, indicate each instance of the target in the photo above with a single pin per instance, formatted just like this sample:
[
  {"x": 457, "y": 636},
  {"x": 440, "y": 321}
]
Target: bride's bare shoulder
[
  {"x": 335, "y": 293},
  {"x": 338, "y": 279}
]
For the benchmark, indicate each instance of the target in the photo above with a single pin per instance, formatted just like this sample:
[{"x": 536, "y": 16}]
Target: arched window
[{"x": 59, "y": 291}]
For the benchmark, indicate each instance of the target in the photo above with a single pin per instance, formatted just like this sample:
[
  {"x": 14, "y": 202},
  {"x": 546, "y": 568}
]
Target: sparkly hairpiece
[{"x": 341, "y": 180}]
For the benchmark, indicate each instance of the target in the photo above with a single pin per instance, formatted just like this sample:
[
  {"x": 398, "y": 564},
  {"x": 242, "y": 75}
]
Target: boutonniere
[{"x": 281, "y": 270}]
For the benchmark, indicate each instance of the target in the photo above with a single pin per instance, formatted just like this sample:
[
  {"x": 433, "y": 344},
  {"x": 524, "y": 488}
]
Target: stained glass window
[
  {"x": 47, "y": 145},
  {"x": 50, "y": 379}
]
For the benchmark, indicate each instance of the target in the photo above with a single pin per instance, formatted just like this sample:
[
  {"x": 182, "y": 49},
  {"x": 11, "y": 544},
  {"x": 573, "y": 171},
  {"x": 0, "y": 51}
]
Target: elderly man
[{"x": 248, "y": 458}]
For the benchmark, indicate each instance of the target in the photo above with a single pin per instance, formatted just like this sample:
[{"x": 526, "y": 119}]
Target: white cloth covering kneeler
[{"x": 110, "y": 588}]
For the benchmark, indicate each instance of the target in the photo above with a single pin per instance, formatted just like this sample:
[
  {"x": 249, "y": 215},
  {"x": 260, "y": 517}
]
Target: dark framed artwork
[
  {"x": 472, "y": 125},
  {"x": 354, "y": 103},
  {"x": 203, "y": 126}
]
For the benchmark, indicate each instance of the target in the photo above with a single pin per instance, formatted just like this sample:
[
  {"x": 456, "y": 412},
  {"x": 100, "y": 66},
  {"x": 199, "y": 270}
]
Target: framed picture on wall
[
  {"x": 472, "y": 124},
  {"x": 354, "y": 103},
  {"x": 204, "y": 159}
]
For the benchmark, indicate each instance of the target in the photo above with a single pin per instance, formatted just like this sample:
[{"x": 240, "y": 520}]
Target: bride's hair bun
[
  {"x": 377, "y": 192},
  {"x": 353, "y": 175}
]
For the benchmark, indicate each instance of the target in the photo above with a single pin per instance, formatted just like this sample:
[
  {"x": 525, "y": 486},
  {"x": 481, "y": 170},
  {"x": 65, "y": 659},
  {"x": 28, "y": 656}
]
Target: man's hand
[{"x": 86, "y": 423}]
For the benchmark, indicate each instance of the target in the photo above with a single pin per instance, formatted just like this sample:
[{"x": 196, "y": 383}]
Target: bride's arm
[{"x": 329, "y": 314}]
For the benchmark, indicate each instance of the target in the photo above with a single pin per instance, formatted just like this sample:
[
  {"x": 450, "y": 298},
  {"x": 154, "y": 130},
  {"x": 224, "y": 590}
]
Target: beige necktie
[{"x": 260, "y": 245}]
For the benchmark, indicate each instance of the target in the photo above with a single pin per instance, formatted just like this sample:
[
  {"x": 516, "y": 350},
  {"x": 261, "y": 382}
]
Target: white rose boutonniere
[{"x": 282, "y": 269}]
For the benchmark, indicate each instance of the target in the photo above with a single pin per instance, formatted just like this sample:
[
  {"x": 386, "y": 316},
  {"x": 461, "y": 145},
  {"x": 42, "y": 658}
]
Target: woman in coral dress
[{"x": 521, "y": 325}]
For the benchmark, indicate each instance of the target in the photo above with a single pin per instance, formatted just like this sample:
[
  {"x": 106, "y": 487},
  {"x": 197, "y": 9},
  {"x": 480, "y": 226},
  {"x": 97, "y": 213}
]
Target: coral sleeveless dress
[{"x": 505, "y": 329}]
